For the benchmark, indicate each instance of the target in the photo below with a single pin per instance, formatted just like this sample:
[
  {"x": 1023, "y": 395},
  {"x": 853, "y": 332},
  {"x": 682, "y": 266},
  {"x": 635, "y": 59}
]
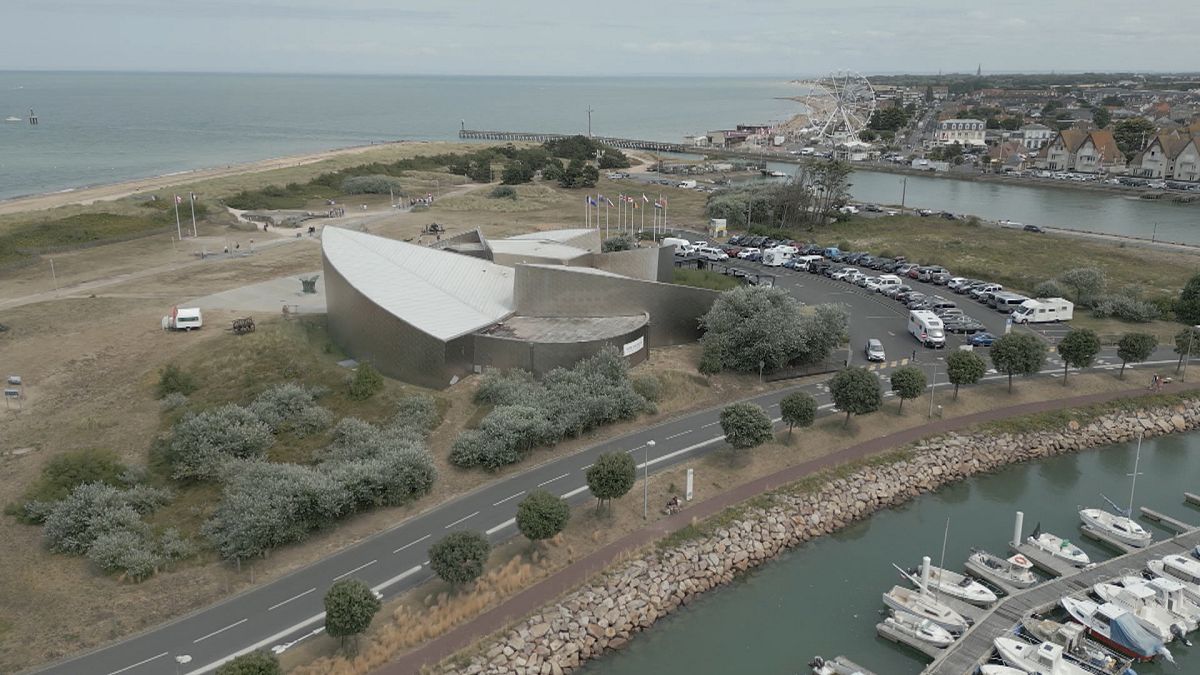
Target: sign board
[
  {"x": 1008, "y": 325},
  {"x": 688, "y": 494},
  {"x": 634, "y": 347}
]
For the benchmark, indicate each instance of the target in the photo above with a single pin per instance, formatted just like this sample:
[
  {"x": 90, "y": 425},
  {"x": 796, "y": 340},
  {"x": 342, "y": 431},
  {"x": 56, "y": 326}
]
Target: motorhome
[
  {"x": 887, "y": 281},
  {"x": 183, "y": 318},
  {"x": 774, "y": 257},
  {"x": 927, "y": 328},
  {"x": 1043, "y": 310}
]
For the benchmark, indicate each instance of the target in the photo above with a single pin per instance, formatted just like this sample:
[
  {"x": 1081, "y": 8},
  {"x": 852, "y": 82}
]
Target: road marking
[
  {"x": 460, "y": 520},
  {"x": 139, "y": 663},
  {"x": 425, "y": 564},
  {"x": 501, "y": 526},
  {"x": 398, "y": 577},
  {"x": 346, "y": 574},
  {"x": 678, "y": 434},
  {"x": 574, "y": 492},
  {"x": 257, "y": 645},
  {"x": 686, "y": 450},
  {"x": 547, "y": 482},
  {"x": 281, "y": 604},
  {"x": 508, "y": 498},
  {"x": 217, "y": 632},
  {"x": 825, "y": 407},
  {"x": 710, "y": 424},
  {"x": 412, "y": 543}
]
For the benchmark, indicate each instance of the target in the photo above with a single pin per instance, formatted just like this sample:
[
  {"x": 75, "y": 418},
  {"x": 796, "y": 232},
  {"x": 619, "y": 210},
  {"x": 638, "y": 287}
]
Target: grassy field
[{"x": 705, "y": 279}]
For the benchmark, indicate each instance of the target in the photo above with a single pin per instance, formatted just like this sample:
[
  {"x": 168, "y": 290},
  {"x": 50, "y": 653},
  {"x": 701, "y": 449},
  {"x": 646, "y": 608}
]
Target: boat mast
[
  {"x": 942, "y": 563},
  {"x": 1133, "y": 484}
]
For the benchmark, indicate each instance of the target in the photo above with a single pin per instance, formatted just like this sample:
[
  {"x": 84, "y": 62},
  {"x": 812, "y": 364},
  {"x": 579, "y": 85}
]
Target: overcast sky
[{"x": 617, "y": 37}]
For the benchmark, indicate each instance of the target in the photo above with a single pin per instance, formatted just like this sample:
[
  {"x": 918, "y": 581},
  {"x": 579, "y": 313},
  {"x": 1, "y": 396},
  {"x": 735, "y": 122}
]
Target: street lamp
[
  {"x": 932, "y": 389},
  {"x": 1188, "y": 357},
  {"x": 646, "y": 482}
]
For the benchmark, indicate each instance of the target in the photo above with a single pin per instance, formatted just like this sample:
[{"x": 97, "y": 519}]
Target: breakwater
[{"x": 607, "y": 613}]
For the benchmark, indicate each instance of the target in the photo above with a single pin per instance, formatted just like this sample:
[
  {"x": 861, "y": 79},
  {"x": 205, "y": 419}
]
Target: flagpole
[
  {"x": 178, "y": 228},
  {"x": 606, "y": 220},
  {"x": 192, "y": 197}
]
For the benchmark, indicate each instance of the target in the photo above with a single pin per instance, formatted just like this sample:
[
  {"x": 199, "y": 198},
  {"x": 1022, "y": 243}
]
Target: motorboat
[
  {"x": 1045, "y": 658},
  {"x": 919, "y": 629},
  {"x": 1075, "y": 643},
  {"x": 1015, "y": 571},
  {"x": 1143, "y": 603},
  {"x": 994, "y": 669},
  {"x": 1122, "y": 528},
  {"x": 11, "y": 118},
  {"x": 1116, "y": 628},
  {"x": 1057, "y": 547},
  {"x": 1180, "y": 568},
  {"x": 835, "y": 666},
  {"x": 952, "y": 584},
  {"x": 1172, "y": 596},
  {"x": 925, "y": 606}
]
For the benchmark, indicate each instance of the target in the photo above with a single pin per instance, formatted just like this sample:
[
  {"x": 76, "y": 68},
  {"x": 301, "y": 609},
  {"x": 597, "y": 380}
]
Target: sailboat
[
  {"x": 12, "y": 118},
  {"x": 919, "y": 629},
  {"x": 924, "y": 606},
  {"x": 1119, "y": 525},
  {"x": 1057, "y": 547},
  {"x": 953, "y": 584}
]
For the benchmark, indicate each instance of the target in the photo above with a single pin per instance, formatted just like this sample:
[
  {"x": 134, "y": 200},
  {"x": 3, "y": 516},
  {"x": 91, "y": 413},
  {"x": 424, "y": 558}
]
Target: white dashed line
[
  {"x": 547, "y": 482},
  {"x": 508, "y": 498},
  {"x": 501, "y": 526},
  {"x": 139, "y": 663},
  {"x": 461, "y": 520},
  {"x": 710, "y": 424},
  {"x": 682, "y": 433},
  {"x": 412, "y": 543},
  {"x": 281, "y": 604},
  {"x": 398, "y": 577},
  {"x": 218, "y": 632},
  {"x": 574, "y": 492},
  {"x": 346, "y": 574}
]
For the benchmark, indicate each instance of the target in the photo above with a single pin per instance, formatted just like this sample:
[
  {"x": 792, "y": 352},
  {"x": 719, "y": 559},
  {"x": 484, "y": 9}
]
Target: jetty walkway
[
  {"x": 967, "y": 653},
  {"x": 535, "y": 137}
]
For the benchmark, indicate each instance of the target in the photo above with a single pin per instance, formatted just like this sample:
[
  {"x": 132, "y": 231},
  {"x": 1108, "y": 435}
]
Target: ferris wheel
[{"x": 839, "y": 106}]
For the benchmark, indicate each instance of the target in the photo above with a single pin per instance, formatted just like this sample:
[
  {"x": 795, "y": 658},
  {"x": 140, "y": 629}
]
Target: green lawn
[{"x": 705, "y": 279}]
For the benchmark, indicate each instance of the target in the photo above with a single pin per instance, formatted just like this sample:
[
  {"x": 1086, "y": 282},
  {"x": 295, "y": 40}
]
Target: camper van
[
  {"x": 1044, "y": 310},
  {"x": 183, "y": 318},
  {"x": 682, "y": 246},
  {"x": 887, "y": 281},
  {"x": 778, "y": 255},
  {"x": 804, "y": 262},
  {"x": 927, "y": 328}
]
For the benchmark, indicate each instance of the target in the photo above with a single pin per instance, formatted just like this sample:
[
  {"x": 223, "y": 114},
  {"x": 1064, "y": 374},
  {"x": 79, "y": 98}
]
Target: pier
[
  {"x": 535, "y": 137},
  {"x": 975, "y": 646}
]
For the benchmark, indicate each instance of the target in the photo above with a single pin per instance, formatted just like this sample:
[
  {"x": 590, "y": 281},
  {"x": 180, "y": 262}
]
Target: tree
[
  {"x": 350, "y": 604},
  {"x": 1101, "y": 117},
  {"x": 611, "y": 476},
  {"x": 542, "y": 515},
  {"x": 255, "y": 663},
  {"x": 1132, "y": 134},
  {"x": 588, "y": 176},
  {"x": 481, "y": 170},
  {"x": 1018, "y": 354},
  {"x": 516, "y": 172},
  {"x": 908, "y": 382},
  {"x": 963, "y": 367},
  {"x": 755, "y": 324},
  {"x": 1078, "y": 349},
  {"x": 1135, "y": 348},
  {"x": 1087, "y": 283},
  {"x": 366, "y": 382},
  {"x": 745, "y": 425},
  {"x": 173, "y": 379},
  {"x": 1187, "y": 341},
  {"x": 855, "y": 391},
  {"x": 1187, "y": 309},
  {"x": 459, "y": 557},
  {"x": 798, "y": 409}
]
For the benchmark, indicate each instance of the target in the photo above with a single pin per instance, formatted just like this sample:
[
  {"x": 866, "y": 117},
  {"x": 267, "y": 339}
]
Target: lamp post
[
  {"x": 932, "y": 389},
  {"x": 646, "y": 482},
  {"x": 1188, "y": 357}
]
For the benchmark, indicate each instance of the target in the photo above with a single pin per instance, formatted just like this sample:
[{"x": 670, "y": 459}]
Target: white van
[
  {"x": 1044, "y": 310},
  {"x": 887, "y": 281},
  {"x": 803, "y": 262},
  {"x": 682, "y": 246},
  {"x": 687, "y": 184},
  {"x": 712, "y": 253},
  {"x": 927, "y": 328}
]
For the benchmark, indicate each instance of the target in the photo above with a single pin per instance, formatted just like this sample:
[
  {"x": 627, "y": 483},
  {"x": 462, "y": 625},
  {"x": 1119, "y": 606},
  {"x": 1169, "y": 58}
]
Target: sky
[{"x": 617, "y": 37}]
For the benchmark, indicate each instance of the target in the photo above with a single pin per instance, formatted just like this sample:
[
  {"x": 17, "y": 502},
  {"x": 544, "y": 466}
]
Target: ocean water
[{"x": 109, "y": 127}]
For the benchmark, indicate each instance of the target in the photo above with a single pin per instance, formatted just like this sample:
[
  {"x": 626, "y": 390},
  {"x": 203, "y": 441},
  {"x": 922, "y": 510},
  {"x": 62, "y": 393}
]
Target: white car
[
  {"x": 747, "y": 252},
  {"x": 849, "y": 208},
  {"x": 842, "y": 273},
  {"x": 872, "y": 284},
  {"x": 853, "y": 276}
]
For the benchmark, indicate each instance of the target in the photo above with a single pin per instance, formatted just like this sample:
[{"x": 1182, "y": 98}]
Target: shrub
[
  {"x": 124, "y": 550},
  {"x": 290, "y": 406},
  {"x": 175, "y": 546},
  {"x": 710, "y": 360},
  {"x": 365, "y": 383},
  {"x": 1086, "y": 283},
  {"x": 504, "y": 437},
  {"x": 1049, "y": 289},
  {"x": 459, "y": 557},
  {"x": 370, "y": 185},
  {"x": 172, "y": 379},
  {"x": 349, "y": 607},
  {"x": 504, "y": 192},
  {"x": 173, "y": 401},
  {"x": 255, "y": 663},
  {"x": 622, "y": 242},
  {"x": 67, "y": 471},
  {"x": 612, "y": 475},
  {"x": 201, "y": 443},
  {"x": 648, "y": 387},
  {"x": 92, "y": 510},
  {"x": 1126, "y": 309},
  {"x": 746, "y": 425},
  {"x": 417, "y": 412},
  {"x": 1018, "y": 354},
  {"x": 756, "y": 325},
  {"x": 542, "y": 515}
]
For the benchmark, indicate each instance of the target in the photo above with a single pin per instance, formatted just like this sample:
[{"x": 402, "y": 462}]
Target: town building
[
  {"x": 960, "y": 131},
  {"x": 432, "y": 315},
  {"x": 1034, "y": 136},
  {"x": 1172, "y": 155},
  {"x": 1082, "y": 150}
]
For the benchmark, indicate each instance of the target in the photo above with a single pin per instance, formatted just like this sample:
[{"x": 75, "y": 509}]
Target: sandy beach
[{"x": 114, "y": 191}]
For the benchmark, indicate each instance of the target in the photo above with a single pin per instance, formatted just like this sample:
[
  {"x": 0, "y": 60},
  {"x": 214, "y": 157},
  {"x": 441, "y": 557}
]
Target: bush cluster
[
  {"x": 365, "y": 383},
  {"x": 173, "y": 380},
  {"x": 623, "y": 242},
  {"x": 377, "y": 184},
  {"x": 530, "y": 413},
  {"x": 201, "y": 443},
  {"x": 1126, "y": 308},
  {"x": 292, "y": 407},
  {"x": 755, "y": 327}
]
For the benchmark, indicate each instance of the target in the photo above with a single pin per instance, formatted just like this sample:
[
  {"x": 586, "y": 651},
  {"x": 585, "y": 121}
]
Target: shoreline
[
  {"x": 87, "y": 195},
  {"x": 616, "y": 597}
]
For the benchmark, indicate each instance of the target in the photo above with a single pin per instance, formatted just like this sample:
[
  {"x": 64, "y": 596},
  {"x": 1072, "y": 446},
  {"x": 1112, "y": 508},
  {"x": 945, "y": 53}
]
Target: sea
[{"x": 97, "y": 127}]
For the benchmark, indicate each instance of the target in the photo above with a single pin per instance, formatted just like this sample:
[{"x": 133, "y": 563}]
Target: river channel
[{"x": 824, "y": 597}]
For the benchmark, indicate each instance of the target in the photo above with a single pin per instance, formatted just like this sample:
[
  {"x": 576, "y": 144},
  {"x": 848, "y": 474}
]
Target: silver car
[{"x": 874, "y": 350}]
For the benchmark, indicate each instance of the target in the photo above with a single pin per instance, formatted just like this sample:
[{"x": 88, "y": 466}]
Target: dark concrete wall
[
  {"x": 370, "y": 334},
  {"x": 555, "y": 291},
  {"x": 504, "y": 353},
  {"x": 639, "y": 263}
]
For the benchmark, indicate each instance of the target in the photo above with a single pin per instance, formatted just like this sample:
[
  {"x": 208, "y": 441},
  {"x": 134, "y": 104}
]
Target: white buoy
[
  {"x": 925, "y": 574},
  {"x": 1017, "y": 527}
]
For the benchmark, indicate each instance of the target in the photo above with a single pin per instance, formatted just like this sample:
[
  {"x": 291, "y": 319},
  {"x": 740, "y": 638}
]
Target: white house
[
  {"x": 961, "y": 131},
  {"x": 1173, "y": 154},
  {"x": 1034, "y": 136}
]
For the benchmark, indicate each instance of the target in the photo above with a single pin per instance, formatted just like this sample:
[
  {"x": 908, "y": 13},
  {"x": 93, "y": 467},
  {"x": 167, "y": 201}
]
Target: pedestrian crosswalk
[{"x": 887, "y": 364}]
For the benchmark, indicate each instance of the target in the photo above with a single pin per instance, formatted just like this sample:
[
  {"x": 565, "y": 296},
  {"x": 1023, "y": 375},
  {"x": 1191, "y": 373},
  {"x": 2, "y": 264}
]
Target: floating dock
[
  {"x": 1104, "y": 538},
  {"x": 1191, "y": 498},
  {"x": 1044, "y": 561},
  {"x": 1166, "y": 521}
]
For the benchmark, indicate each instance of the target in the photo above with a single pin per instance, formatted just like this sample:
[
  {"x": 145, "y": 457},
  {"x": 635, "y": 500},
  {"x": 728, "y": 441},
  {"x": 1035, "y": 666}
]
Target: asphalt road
[{"x": 283, "y": 612}]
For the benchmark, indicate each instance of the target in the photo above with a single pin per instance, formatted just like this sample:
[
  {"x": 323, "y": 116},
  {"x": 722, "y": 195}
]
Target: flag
[
  {"x": 193, "y": 196},
  {"x": 645, "y": 199},
  {"x": 657, "y": 205},
  {"x": 178, "y": 199},
  {"x": 609, "y": 201},
  {"x": 591, "y": 202}
]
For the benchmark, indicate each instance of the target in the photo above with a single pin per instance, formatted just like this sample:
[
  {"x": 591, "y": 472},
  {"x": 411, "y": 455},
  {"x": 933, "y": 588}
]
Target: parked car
[
  {"x": 914, "y": 299},
  {"x": 866, "y": 261},
  {"x": 871, "y": 284},
  {"x": 939, "y": 278},
  {"x": 819, "y": 267},
  {"x": 735, "y": 239},
  {"x": 981, "y": 340},
  {"x": 895, "y": 291},
  {"x": 904, "y": 269},
  {"x": 841, "y": 273},
  {"x": 924, "y": 213},
  {"x": 980, "y": 292},
  {"x": 1032, "y": 228},
  {"x": 874, "y": 350},
  {"x": 745, "y": 253},
  {"x": 927, "y": 273},
  {"x": 914, "y": 272},
  {"x": 954, "y": 282},
  {"x": 962, "y": 323},
  {"x": 947, "y": 312},
  {"x": 853, "y": 276}
]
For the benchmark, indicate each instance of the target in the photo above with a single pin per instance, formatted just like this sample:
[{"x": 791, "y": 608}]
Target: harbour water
[
  {"x": 109, "y": 127},
  {"x": 824, "y": 597}
]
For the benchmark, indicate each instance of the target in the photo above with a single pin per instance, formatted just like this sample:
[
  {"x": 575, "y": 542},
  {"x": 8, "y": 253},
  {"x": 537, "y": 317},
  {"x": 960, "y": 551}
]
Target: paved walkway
[{"x": 576, "y": 574}]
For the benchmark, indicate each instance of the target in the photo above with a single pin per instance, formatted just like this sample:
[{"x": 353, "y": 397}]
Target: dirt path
[{"x": 546, "y": 591}]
